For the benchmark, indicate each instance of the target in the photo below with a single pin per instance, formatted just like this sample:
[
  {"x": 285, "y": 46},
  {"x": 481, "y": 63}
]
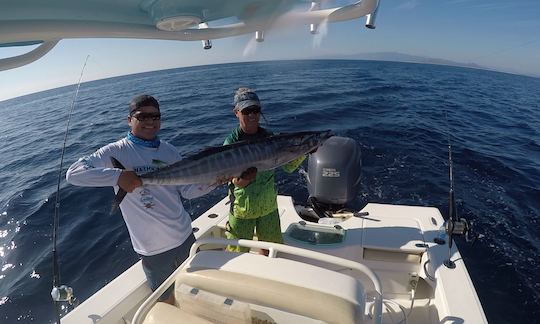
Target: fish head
[
  {"x": 317, "y": 138},
  {"x": 324, "y": 135}
]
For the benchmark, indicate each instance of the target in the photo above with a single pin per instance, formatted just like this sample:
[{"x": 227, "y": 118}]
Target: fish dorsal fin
[
  {"x": 121, "y": 192},
  {"x": 208, "y": 151},
  {"x": 217, "y": 149},
  {"x": 117, "y": 164}
]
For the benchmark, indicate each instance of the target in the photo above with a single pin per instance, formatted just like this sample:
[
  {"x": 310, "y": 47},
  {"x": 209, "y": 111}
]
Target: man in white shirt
[{"x": 158, "y": 225}]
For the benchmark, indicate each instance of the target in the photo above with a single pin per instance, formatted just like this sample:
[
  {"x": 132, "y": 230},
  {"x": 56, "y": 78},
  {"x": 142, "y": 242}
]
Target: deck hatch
[
  {"x": 391, "y": 256},
  {"x": 398, "y": 234},
  {"x": 316, "y": 234}
]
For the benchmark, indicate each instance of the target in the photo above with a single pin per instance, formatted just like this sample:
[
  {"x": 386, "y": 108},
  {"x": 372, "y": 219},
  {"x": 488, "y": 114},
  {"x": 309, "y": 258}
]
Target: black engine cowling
[{"x": 334, "y": 171}]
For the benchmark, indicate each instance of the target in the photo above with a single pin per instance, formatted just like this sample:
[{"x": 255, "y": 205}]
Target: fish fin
[
  {"x": 121, "y": 192},
  {"x": 117, "y": 164},
  {"x": 117, "y": 200}
]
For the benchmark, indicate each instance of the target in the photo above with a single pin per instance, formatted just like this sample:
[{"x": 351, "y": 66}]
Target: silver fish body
[{"x": 215, "y": 164}]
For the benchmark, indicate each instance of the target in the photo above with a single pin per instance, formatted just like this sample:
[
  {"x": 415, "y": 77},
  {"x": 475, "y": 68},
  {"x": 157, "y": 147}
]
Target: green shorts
[{"x": 268, "y": 228}]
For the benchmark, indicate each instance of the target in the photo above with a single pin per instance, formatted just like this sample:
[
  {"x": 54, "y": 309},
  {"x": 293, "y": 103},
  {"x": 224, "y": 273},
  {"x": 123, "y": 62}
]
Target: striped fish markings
[{"x": 215, "y": 164}]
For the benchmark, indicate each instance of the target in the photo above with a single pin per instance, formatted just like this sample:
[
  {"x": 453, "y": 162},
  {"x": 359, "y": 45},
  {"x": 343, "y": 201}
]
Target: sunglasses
[
  {"x": 251, "y": 110},
  {"x": 147, "y": 117}
]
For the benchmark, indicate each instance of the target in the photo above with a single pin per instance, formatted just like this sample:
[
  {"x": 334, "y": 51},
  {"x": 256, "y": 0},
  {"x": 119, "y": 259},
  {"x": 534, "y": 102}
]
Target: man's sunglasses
[
  {"x": 251, "y": 110},
  {"x": 146, "y": 116}
]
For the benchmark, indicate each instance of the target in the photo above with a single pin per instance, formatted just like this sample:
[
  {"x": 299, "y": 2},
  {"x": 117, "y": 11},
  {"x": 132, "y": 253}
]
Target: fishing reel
[
  {"x": 453, "y": 227},
  {"x": 64, "y": 294},
  {"x": 461, "y": 228}
]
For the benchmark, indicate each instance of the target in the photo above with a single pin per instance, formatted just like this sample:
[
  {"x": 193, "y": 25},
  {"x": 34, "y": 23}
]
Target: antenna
[{"x": 62, "y": 293}]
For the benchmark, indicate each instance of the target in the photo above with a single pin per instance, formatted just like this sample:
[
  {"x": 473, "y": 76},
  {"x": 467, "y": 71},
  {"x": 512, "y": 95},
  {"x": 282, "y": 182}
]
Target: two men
[{"x": 158, "y": 225}]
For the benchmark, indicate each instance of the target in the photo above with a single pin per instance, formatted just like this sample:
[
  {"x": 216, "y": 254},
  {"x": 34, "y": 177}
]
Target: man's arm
[{"x": 95, "y": 170}]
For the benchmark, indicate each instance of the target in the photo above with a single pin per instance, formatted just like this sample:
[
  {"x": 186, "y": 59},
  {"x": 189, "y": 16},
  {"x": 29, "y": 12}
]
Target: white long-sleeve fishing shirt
[{"x": 154, "y": 214}]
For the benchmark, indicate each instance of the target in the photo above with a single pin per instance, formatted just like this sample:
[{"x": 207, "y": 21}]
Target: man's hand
[
  {"x": 128, "y": 181},
  {"x": 245, "y": 178}
]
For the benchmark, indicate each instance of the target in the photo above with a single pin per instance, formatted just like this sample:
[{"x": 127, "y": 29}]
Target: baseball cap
[
  {"x": 142, "y": 101},
  {"x": 245, "y": 97}
]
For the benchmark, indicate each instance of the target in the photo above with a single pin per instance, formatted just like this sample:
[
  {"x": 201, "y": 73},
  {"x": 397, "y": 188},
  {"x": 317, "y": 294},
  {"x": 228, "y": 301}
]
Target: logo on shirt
[
  {"x": 147, "y": 199},
  {"x": 86, "y": 163},
  {"x": 156, "y": 164}
]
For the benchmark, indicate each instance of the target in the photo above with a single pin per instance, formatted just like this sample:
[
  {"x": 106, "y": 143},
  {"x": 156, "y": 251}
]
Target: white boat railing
[{"x": 273, "y": 249}]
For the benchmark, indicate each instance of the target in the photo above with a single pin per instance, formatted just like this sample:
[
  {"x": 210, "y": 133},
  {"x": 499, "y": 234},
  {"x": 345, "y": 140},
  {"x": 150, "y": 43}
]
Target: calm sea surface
[{"x": 395, "y": 111}]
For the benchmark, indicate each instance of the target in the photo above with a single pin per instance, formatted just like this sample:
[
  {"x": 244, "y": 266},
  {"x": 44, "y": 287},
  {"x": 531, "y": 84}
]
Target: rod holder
[
  {"x": 259, "y": 36},
  {"x": 207, "y": 44},
  {"x": 370, "y": 19},
  {"x": 314, "y": 28}
]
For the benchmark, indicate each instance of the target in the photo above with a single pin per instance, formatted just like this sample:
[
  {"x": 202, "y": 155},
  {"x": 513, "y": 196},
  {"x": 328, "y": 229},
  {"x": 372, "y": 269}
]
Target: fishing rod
[
  {"x": 454, "y": 226},
  {"x": 62, "y": 293}
]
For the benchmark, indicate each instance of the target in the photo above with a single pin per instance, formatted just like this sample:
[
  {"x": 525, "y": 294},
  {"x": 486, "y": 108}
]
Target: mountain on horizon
[
  {"x": 408, "y": 58},
  {"x": 400, "y": 57}
]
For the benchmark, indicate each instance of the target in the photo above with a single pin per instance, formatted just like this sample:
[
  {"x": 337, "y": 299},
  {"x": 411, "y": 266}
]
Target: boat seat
[
  {"x": 282, "y": 284},
  {"x": 165, "y": 313}
]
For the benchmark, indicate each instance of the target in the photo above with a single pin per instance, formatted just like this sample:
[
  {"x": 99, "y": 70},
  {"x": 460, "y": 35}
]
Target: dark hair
[{"x": 142, "y": 101}]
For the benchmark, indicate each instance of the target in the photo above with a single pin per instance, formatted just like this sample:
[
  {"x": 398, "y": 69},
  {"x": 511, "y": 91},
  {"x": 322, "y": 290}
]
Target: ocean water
[{"x": 395, "y": 111}]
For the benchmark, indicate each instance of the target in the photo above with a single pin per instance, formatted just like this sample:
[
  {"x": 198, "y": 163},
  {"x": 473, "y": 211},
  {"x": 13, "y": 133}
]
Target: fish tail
[{"x": 121, "y": 192}]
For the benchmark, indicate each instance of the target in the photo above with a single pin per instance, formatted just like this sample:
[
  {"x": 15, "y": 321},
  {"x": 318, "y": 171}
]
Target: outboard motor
[{"x": 334, "y": 172}]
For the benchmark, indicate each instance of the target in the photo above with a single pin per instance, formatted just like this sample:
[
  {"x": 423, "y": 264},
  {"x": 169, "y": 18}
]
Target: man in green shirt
[{"x": 253, "y": 195}]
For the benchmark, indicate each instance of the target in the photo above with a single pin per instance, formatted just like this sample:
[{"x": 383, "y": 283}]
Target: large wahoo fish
[{"x": 215, "y": 164}]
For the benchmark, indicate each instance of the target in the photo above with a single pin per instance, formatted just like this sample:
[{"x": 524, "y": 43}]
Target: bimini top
[{"x": 33, "y": 22}]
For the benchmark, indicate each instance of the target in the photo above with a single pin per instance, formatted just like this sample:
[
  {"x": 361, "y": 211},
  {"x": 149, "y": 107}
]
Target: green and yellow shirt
[{"x": 259, "y": 198}]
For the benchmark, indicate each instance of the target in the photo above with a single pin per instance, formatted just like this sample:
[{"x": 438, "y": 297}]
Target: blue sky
[{"x": 501, "y": 35}]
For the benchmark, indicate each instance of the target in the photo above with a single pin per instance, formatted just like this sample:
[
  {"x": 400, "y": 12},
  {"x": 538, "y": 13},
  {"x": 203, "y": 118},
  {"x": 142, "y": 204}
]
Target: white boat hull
[{"x": 396, "y": 242}]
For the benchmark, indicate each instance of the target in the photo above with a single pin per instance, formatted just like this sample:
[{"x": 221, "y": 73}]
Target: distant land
[{"x": 400, "y": 57}]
